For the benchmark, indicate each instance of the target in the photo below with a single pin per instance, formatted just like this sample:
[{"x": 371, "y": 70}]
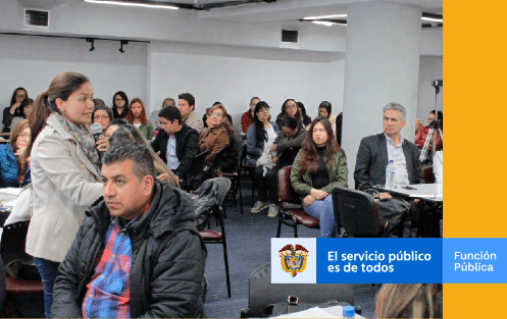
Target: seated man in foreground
[
  {"x": 375, "y": 151},
  {"x": 138, "y": 252}
]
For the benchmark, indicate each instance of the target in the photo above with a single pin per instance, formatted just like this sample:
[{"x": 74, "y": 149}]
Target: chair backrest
[
  {"x": 357, "y": 212},
  {"x": 12, "y": 246},
  {"x": 242, "y": 160},
  {"x": 286, "y": 193},
  {"x": 195, "y": 175},
  {"x": 261, "y": 292},
  {"x": 224, "y": 184}
]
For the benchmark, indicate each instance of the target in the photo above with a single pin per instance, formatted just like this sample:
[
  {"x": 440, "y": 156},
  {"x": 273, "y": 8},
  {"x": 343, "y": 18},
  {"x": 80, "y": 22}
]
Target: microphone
[{"x": 96, "y": 130}]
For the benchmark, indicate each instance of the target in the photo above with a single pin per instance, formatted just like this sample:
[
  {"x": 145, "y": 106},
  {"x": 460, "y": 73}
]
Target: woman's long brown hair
[{"x": 309, "y": 159}]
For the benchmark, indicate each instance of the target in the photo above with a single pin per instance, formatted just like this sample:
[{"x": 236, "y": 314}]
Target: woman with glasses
[
  {"x": 14, "y": 170},
  {"x": 120, "y": 105},
  {"x": 319, "y": 167},
  {"x": 103, "y": 115},
  {"x": 13, "y": 110},
  {"x": 289, "y": 108},
  {"x": 218, "y": 135},
  {"x": 136, "y": 116}
]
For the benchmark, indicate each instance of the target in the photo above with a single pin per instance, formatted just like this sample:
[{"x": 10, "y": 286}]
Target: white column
[{"x": 381, "y": 66}]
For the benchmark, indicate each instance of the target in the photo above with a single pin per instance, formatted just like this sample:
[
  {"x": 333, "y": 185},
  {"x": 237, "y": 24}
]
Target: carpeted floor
[{"x": 249, "y": 241}]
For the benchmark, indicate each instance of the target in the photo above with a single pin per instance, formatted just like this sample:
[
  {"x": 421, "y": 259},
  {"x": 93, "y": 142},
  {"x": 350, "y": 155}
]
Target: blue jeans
[
  {"x": 323, "y": 210},
  {"x": 48, "y": 270}
]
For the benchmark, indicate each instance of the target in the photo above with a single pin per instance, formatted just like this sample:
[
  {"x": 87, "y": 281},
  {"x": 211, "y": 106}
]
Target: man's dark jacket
[
  {"x": 187, "y": 147},
  {"x": 372, "y": 160},
  {"x": 168, "y": 259}
]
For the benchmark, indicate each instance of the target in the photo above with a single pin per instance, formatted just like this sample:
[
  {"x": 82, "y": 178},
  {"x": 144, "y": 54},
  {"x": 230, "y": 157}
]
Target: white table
[{"x": 430, "y": 192}]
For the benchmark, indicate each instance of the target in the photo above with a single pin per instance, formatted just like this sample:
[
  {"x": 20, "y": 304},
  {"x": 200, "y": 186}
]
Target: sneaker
[
  {"x": 273, "y": 210},
  {"x": 259, "y": 206}
]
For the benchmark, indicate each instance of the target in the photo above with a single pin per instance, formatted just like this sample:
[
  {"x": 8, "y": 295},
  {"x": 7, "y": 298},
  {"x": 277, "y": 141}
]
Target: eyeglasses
[
  {"x": 24, "y": 135},
  {"x": 264, "y": 111},
  {"x": 21, "y": 96},
  {"x": 216, "y": 114},
  {"x": 290, "y": 107},
  {"x": 101, "y": 117},
  {"x": 119, "y": 99}
]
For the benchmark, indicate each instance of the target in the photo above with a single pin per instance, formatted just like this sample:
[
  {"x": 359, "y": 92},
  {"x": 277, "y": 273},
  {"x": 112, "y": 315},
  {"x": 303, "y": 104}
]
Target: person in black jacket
[
  {"x": 182, "y": 139},
  {"x": 137, "y": 252}
]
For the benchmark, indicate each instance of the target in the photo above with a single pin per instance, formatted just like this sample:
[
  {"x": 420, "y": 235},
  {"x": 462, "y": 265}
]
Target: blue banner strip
[{"x": 411, "y": 260}]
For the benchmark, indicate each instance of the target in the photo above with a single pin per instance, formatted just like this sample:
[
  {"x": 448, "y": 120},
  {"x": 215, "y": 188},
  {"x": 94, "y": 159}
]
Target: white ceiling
[{"x": 279, "y": 11}]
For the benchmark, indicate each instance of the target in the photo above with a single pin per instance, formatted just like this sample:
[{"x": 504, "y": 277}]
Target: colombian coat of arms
[{"x": 293, "y": 258}]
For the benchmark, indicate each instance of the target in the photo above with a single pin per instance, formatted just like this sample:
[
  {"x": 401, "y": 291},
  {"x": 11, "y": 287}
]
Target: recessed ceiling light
[
  {"x": 432, "y": 19},
  {"x": 132, "y": 4},
  {"x": 328, "y": 23},
  {"x": 326, "y": 17}
]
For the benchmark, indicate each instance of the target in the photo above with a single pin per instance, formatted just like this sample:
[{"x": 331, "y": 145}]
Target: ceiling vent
[
  {"x": 36, "y": 18},
  {"x": 290, "y": 36}
]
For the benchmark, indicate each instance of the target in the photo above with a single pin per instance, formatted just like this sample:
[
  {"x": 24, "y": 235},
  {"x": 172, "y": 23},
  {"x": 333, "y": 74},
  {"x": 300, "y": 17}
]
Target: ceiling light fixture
[
  {"x": 432, "y": 19},
  {"x": 92, "y": 41},
  {"x": 333, "y": 16},
  {"x": 328, "y": 23},
  {"x": 133, "y": 4}
]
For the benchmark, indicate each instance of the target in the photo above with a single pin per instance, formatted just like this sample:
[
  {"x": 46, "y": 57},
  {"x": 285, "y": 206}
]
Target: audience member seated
[
  {"x": 420, "y": 137},
  {"x": 137, "y": 253},
  {"x": 98, "y": 102},
  {"x": 136, "y": 115},
  {"x": 217, "y": 137},
  {"x": 65, "y": 173},
  {"x": 305, "y": 119},
  {"x": 325, "y": 109},
  {"x": 14, "y": 168},
  {"x": 177, "y": 143},
  {"x": 120, "y": 105},
  {"x": 376, "y": 151},
  {"x": 319, "y": 167},
  {"x": 260, "y": 132},
  {"x": 103, "y": 115},
  {"x": 13, "y": 109},
  {"x": 168, "y": 102},
  {"x": 24, "y": 110},
  {"x": 129, "y": 133},
  {"x": 205, "y": 117},
  {"x": 289, "y": 108},
  {"x": 248, "y": 116},
  {"x": 410, "y": 301},
  {"x": 186, "y": 105},
  {"x": 283, "y": 150}
]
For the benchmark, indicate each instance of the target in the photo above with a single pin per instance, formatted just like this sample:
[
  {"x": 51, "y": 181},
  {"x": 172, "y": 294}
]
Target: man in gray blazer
[{"x": 375, "y": 152}]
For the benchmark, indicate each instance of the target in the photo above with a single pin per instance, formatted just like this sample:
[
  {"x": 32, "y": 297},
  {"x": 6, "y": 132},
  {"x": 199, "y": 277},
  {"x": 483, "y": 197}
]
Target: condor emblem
[{"x": 293, "y": 259}]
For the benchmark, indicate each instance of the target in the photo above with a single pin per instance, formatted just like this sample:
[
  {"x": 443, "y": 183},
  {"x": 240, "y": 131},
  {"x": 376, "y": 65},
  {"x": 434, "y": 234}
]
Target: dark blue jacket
[{"x": 9, "y": 168}]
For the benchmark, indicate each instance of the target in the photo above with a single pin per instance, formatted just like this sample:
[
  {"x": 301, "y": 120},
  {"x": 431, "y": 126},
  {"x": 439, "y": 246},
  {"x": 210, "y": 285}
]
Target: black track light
[
  {"x": 122, "y": 42},
  {"x": 92, "y": 41}
]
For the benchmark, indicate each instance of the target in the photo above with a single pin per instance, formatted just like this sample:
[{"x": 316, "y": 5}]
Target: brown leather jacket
[{"x": 214, "y": 139}]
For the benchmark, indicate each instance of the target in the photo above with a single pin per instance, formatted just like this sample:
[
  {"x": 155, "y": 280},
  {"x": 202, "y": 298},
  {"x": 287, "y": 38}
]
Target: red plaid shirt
[{"x": 108, "y": 293}]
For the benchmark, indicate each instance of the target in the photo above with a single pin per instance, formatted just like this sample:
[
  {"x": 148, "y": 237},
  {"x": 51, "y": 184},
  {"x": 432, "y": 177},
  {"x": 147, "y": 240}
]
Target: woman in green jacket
[{"x": 319, "y": 167}]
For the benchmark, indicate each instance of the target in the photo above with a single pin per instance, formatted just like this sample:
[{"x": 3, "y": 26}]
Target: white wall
[
  {"x": 33, "y": 62},
  {"x": 232, "y": 75}
]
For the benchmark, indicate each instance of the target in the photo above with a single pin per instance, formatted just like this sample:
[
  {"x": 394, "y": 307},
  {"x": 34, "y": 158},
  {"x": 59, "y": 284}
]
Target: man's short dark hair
[
  {"x": 170, "y": 113},
  {"x": 138, "y": 153},
  {"x": 187, "y": 97}
]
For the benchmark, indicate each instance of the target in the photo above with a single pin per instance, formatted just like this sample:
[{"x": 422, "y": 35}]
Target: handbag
[{"x": 204, "y": 204}]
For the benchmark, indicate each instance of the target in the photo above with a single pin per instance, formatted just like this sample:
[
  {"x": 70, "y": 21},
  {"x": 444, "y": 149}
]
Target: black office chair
[
  {"x": 262, "y": 294},
  {"x": 357, "y": 212},
  {"x": 232, "y": 175},
  {"x": 218, "y": 237},
  {"x": 244, "y": 167}
]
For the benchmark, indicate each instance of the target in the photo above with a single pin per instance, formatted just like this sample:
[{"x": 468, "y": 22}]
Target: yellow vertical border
[{"x": 475, "y": 107}]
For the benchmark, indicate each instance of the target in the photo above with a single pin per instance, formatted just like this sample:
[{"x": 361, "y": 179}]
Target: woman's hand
[
  {"x": 21, "y": 150},
  {"x": 163, "y": 177},
  {"x": 14, "y": 107},
  {"x": 102, "y": 144},
  {"x": 318, "y": 194},
  {"x": 308, "y": 200},
  {"x": 273, "y": 148}
]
